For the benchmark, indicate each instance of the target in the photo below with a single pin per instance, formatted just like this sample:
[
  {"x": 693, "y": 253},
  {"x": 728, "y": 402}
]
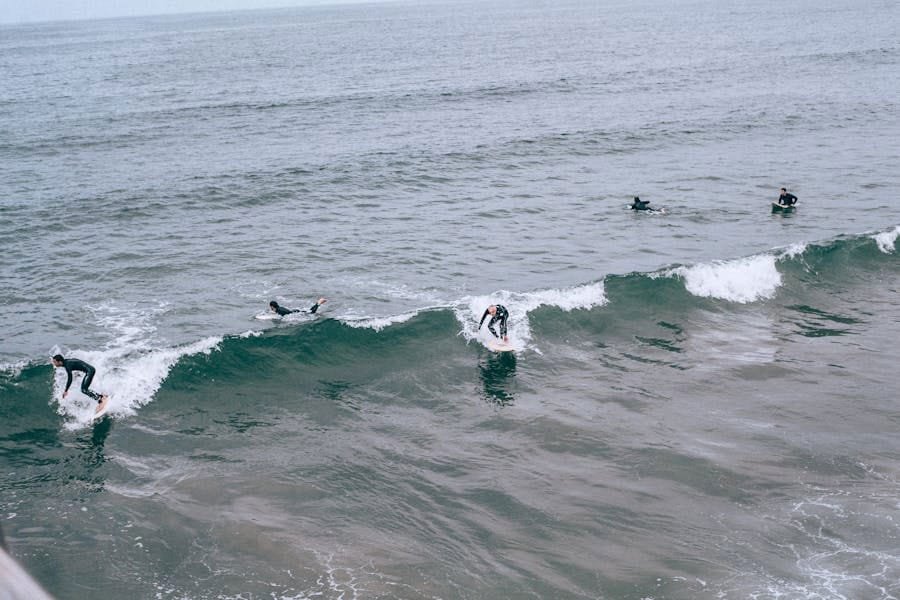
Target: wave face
[{"x": 134, "y": 367}]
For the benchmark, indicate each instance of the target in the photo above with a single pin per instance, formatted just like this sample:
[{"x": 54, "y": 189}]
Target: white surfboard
[
  {"x": 99, "y": 414},
  {"x": 498, "y": 346},
  {"x": 267, "y": 316}
]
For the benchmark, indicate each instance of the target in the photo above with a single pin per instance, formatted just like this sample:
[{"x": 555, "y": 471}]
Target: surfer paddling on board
[
  {"x": 74, "y": 364},
  {"x": 639, "y": 204},
  {"x": 282, "y": 311},
  {"x": 498, "y": 313},
  {"x": 644, "y": 205},
  {"x": 786, "y": 199}
]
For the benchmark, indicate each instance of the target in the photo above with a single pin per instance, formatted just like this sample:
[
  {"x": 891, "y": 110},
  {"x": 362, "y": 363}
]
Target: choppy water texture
[{"x": 702, "y": 403}]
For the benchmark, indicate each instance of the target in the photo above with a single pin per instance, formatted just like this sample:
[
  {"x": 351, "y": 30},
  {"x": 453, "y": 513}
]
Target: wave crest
[
  {"x": 743, "y": 280},
  {"x": 887, "y": 239}
]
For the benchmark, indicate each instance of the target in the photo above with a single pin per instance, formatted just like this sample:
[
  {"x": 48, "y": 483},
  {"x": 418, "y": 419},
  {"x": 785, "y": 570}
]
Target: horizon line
[{"x": 192, "y": 11}]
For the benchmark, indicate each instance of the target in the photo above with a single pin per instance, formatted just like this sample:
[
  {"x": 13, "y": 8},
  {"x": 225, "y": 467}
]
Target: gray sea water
[{"x": 702, "y": 402}]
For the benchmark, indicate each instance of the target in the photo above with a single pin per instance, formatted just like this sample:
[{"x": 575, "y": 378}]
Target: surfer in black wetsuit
[
  {"x": 786, "y": 199},
  {"x": 74, "y": 364},
  {"x": 498, "y": 313},
  {"x": 282, "y": 311},
  {"x": 639, "y": 204}
]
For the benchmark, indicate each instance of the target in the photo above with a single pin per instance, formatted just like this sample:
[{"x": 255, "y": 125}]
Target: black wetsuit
[
  {"x": 641, "y": 205},
  {"x": 501, "y": 315},
  {"x": 74, "y": 364},
  {"x": 787, "y": 199},
  {"x": 282, "y": 311}
]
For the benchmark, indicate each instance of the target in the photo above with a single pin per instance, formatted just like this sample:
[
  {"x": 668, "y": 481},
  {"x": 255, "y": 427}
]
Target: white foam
[
  {"x": 471, "y": 309},
  {"x": 887, "y": 239},
  {"x": 581, "y": 297},
  {"x": 743, "y": 280},
  {"x": 130, "y": 379},
  {"x": 794, "y": 250},
  {"x": 378, "y": 323},
  {"x": 300, "y": 316},
  {"x": 130, "y": 369},
  {"x": 398, "y": 291},
  {"x": 14, "y": 369}
]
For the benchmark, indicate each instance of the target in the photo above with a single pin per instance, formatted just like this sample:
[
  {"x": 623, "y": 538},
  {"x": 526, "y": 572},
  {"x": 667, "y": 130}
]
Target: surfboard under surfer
[
  {"x": 74, "y": 364},
  {"x": 498, "y": 313},
  {"x": 282, "y": 311}
]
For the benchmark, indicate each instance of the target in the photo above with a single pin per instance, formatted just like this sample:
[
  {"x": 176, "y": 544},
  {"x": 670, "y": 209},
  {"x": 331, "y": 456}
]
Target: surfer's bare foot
[{"x": 104, "y": 400}]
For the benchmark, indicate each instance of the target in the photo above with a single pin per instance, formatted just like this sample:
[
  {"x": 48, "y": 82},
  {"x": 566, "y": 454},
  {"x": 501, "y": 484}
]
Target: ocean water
[{"x": 703, "y": 403}]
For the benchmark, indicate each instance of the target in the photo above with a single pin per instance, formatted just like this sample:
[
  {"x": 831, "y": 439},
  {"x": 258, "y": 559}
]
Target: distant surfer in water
[
  {"x": 639, "y": 204},
  {"x": 643, "y": 205},
  {"x": 498, "y": 313},
  {"x": 74, "y": 364},
  {"x": 282, "y": 311},
  {"x": 786, "y": 199}
]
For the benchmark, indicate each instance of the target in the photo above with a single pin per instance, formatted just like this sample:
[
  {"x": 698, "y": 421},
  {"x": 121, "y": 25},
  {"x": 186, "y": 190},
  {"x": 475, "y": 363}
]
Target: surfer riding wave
[{"x": 498, "y": 313}]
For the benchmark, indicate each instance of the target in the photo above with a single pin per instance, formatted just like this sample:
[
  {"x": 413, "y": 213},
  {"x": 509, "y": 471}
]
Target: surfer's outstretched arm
[{"x": 316, "y": 306}]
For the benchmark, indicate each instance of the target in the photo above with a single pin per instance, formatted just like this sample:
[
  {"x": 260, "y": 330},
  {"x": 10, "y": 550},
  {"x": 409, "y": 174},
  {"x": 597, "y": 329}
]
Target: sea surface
[{"x": 704, "y": 402}]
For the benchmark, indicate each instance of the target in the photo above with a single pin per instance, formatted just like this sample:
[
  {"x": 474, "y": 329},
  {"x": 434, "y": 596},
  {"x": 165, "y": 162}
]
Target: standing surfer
[
  {"x": 498, "y": 313},
  {"x": 282, "y": 311},
  {"x": 75, "y": 364}
]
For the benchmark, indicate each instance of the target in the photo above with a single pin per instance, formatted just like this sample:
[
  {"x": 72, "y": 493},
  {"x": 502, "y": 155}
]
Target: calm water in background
[{"x": 703, "y": 404}]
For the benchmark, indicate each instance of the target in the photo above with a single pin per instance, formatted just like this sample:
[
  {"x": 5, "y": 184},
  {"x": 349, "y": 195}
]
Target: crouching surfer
[
  {"x": 498, "y": 313},
  {"x": 74, "y": 364}
]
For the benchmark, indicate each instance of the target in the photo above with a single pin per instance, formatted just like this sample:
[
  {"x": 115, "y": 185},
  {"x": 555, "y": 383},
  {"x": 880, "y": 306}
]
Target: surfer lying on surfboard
[
  {"x": 498, "y": 313},
  {"x": 74, "y": 364},
  {"x": 639, "y": 204},
  {"x": 644, "y": 205},
  {"x": 282, "y": 311}
]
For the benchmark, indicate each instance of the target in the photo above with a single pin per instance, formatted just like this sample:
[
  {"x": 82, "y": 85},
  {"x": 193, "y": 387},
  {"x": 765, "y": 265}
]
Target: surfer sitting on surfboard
[
  {"x": 273, "y": 306},
  {"x": 74, "y": 364},
  {"x": 498, "y": 313},
  {"x": 786, "y": 199}
]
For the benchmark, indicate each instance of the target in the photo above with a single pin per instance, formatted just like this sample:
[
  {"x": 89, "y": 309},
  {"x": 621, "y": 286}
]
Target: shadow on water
[
  {"x": 242, "y": 422},
  {"x": 47, "y": 457},
  {"x": 85, "y": 466},
  {"x": 497, "y": 371},
  {"x": 94, "y": 454},
  {"x": 812, "y": 322}
]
